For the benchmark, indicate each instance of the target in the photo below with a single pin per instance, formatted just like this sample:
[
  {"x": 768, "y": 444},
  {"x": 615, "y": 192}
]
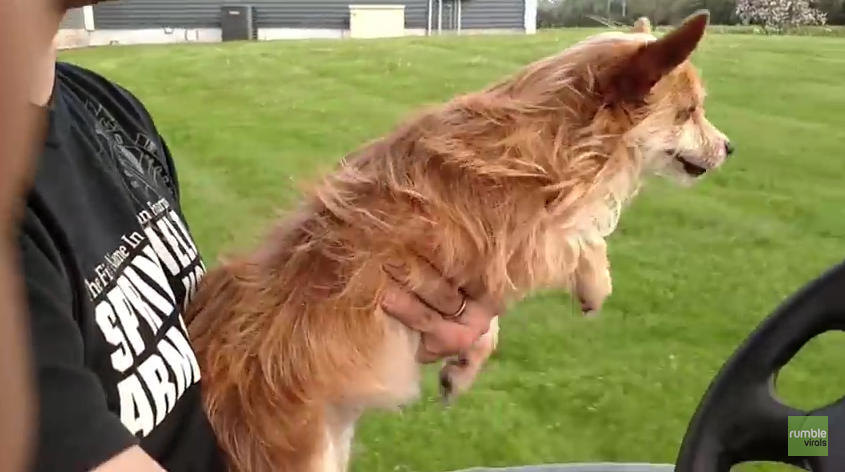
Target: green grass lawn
[{"x": 694, "y": 270}]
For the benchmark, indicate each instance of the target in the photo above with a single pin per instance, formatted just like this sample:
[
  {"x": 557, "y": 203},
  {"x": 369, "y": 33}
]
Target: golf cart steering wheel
[{"x": 739, "y": 418}]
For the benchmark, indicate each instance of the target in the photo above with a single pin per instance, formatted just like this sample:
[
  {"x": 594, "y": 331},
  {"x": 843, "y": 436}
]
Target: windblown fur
[{"x": 500, "y": 189}]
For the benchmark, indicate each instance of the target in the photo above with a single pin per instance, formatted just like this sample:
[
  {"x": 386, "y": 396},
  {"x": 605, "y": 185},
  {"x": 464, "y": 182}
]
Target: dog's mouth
[{"x": 690, "y": 168}]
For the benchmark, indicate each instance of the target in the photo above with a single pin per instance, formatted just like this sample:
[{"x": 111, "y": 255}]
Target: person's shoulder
[
  {"x": 67, "y": 71},
  {"x": 103, "y": 90},
  {"x": 106, "y": 100}
]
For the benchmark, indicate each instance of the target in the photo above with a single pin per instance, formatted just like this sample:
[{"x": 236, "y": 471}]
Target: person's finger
[
  {"x": 446, "y": 340},
  {"x": 440, "y": 337},
  {"x": 435, "y": 291},
  {"x": 449, "y": 337},
  {"x": 404, "y": 306},
  {"x": 424, "y": 356},
  {"x": 401, "y": 304},
  {"x": 489, "y": 305}
]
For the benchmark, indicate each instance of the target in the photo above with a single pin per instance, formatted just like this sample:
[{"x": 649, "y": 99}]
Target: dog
[
  {"x": 591, "y": 283},
  {"x": 499, "y": 189}
]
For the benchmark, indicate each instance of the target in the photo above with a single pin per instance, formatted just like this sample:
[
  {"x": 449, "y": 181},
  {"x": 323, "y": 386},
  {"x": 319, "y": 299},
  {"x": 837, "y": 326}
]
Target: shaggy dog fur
[
  {"x": 590, "y": 282},
  {"x": 500, "y": 189}
]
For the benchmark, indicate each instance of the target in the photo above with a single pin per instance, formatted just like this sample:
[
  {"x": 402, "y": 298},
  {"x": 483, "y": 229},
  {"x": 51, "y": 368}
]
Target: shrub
[{"x": 779, "y": 16}]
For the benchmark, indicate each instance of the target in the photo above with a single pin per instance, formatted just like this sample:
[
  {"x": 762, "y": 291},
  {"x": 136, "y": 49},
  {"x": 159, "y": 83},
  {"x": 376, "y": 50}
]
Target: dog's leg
[
  {"x": 343, "y": 445},
  {"x": 458, "y": 374},
  {"x": 328, "y": 461},
  {"x": 395, "y": 382},
  {"x": 592, "y": 280},
  {"x": 339, "y": 436}
]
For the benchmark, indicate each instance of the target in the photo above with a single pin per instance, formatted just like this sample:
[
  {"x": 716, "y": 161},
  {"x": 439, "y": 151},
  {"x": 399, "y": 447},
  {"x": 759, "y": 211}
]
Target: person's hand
[{"x": 449, "y": 320}]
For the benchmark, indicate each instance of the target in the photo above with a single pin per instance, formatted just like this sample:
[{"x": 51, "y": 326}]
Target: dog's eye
[{"x": 686, "y": 114}]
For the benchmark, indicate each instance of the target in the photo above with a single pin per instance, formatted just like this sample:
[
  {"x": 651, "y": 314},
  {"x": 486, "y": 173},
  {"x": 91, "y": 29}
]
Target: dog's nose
[{"x": 729, "y": 148}]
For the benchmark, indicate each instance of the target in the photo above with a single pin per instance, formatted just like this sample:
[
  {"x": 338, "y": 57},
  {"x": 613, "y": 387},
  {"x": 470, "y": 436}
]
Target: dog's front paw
[
  {"x": 456, "y": 376},
  {"x": 588, "y": 312},
  {"x": 593, "y": 283},
  {"x": 590, "y": 307},
  {"x": 458, "y": 373},
  {"x": 592, "y": 296}
]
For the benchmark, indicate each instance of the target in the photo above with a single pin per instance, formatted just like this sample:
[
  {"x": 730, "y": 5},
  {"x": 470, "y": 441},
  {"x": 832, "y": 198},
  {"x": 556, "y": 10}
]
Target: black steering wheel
[{"x": 739, "y": 418}]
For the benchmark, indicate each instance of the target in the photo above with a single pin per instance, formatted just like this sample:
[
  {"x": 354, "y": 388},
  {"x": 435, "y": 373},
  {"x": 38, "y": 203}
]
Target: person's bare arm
[
  {"x": 23, "y": 31},
  {"x": 16, "y": 409},
  {"x": 133, "y": 459}
]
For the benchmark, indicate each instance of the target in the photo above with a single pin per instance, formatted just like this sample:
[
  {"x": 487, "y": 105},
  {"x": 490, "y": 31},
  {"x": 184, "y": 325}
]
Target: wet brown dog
[{"x": 501, "y": 189}]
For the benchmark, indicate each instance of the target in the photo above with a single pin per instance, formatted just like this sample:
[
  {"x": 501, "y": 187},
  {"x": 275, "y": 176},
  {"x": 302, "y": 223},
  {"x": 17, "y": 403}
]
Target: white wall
[{"x": 531, "y": 16}]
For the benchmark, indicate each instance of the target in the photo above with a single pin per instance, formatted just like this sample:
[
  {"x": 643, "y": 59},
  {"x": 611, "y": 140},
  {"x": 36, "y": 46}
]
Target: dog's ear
[
  {"x": 642, "y": 25},
  {"x": 635, "y": 75}
]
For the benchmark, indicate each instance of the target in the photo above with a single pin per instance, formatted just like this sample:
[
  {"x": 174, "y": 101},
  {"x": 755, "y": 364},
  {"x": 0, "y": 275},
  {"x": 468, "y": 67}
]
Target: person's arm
[
  {"x": 23, "y": 31},
  {"x": 76, "y": 431},
  {"x": 133, "y": 459}
]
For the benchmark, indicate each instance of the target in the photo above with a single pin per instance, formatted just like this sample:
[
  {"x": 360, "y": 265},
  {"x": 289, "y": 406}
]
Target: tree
[{"x": 779, "y": 16}]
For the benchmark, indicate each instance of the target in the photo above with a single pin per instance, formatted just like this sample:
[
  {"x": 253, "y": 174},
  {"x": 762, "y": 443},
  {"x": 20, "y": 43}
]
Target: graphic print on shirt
[
  {"x": 135, "y": 291},
  {"x": 135, "y": 155}
]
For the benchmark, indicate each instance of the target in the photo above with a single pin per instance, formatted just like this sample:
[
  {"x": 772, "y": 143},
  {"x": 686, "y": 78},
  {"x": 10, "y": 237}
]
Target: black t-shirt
[{"x": 109, "y": 265}]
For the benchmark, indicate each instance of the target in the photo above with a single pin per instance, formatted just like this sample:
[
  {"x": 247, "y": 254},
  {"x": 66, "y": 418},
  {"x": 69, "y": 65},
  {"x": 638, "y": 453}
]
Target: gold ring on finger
[{"x": 459, "y": 312}]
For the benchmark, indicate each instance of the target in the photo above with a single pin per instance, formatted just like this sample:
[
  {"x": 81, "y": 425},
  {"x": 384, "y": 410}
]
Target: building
[{"x": 169, "y": 21}]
